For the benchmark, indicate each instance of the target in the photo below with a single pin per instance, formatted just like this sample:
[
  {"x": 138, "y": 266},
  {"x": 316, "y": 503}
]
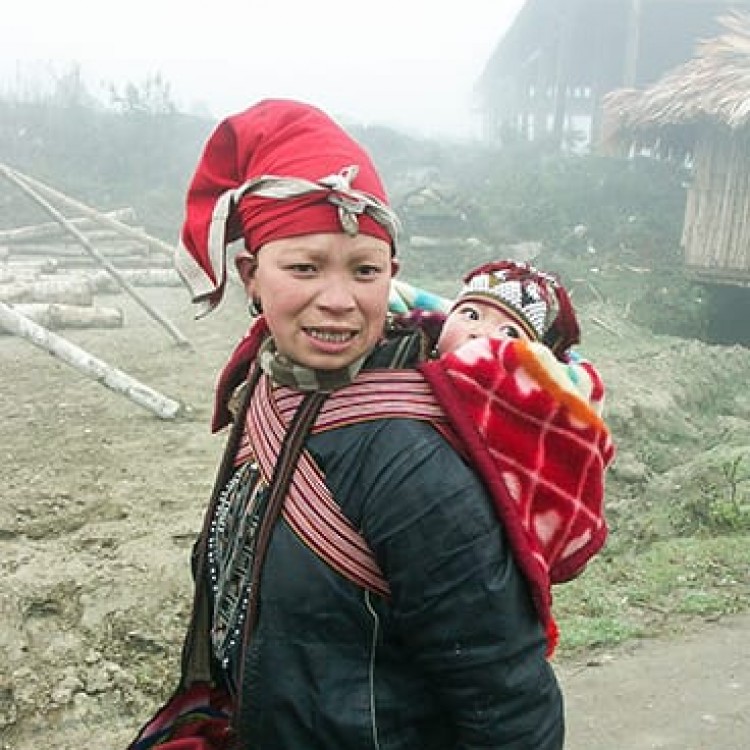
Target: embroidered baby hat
[
  {"x": 279, "y": 169},
  {"x": 537, "y": 301}
]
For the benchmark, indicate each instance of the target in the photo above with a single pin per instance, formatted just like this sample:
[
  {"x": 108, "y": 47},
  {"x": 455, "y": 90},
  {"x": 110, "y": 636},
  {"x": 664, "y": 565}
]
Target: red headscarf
[{"x": 279, "y": 169}]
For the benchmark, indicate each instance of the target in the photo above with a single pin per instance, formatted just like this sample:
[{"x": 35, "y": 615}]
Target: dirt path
[
  {"x": 689, "y": 693},
  {"x": 100, "y": 502}
]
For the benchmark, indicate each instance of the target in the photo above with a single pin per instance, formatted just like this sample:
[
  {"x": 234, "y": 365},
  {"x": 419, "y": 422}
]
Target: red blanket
[{"x": 530, "y": 426}]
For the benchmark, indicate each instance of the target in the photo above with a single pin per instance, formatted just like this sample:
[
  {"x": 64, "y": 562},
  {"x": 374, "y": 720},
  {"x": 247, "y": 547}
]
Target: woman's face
[
  {"x": 324, "y": 296},
  {"x": 471, "y": 320}
]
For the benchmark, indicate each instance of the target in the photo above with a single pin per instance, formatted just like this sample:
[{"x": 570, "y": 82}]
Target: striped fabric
[{"x": 310, "y": 510}]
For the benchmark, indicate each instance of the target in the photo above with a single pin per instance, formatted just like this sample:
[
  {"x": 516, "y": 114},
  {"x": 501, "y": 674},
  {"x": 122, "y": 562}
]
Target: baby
[
  {"x": 513, "y": 300},
  {"x": 526, "y": 412}
]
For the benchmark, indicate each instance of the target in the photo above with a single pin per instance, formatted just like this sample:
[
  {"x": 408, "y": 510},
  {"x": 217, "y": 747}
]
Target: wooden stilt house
[
  {"x": 551, "y": 69},
  {"x": 701, "y": 111}
]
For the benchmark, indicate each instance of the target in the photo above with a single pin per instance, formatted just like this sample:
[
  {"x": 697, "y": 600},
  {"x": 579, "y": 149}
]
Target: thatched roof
[{"x": 711, "y": 89}]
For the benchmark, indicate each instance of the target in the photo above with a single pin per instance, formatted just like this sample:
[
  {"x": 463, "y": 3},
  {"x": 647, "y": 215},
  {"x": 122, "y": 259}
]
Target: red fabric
[
  {"x": 540, "y": 449},
  {"x": 191, "y": 743},
  {"x": 208, "y": 734},
  {"x": 235, "y": 372},
  {"x": 196, "y": 718},
  {"x": 282, "y": 138}
]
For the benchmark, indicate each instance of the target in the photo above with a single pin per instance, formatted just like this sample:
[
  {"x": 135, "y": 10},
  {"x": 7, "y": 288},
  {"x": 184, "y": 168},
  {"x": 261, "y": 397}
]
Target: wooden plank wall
[{"x": 716, "y": 230}]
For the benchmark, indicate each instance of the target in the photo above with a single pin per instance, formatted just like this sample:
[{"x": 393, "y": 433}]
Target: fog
[{"x": 410, "y": 65}]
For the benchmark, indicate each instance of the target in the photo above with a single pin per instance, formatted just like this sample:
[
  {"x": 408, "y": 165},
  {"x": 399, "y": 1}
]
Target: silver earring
[{"x": 254, "y": 308}]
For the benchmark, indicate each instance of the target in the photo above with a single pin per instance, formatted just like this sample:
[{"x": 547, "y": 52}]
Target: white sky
[{"x": 410, "y": 64}]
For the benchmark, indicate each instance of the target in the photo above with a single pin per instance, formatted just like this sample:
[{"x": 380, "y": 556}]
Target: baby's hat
[{"x": 536, "y": 300}]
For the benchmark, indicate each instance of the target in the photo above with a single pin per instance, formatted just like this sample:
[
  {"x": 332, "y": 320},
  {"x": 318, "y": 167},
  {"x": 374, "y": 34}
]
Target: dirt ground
[
  {"x": 101, "y": 501},
  {"x": 687, "y": 693}
]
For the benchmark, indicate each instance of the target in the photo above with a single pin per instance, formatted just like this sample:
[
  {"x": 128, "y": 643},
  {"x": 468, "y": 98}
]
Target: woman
[{"x": 354, "y": 588}]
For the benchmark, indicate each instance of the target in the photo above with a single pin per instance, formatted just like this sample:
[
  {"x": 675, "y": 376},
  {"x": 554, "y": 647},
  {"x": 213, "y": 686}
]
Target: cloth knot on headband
[
  {"x": 349, "y": 202},
  {"x": 335, "y": 189}
]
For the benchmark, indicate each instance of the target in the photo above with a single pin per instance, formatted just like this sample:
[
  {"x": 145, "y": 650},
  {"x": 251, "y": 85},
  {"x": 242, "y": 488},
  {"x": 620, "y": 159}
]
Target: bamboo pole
[
  {"x": 92, "y": 213},
  {"x": 101, "y": 372},
  {"x": 21, "y": 182}
]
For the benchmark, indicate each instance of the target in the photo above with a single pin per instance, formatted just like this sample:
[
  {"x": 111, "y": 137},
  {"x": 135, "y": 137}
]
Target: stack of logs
[{"x": 48, "y": 277}]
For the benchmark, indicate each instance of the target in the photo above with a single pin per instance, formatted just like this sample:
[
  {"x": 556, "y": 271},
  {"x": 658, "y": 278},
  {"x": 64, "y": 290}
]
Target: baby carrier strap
[{"x": 309, "y": 508}]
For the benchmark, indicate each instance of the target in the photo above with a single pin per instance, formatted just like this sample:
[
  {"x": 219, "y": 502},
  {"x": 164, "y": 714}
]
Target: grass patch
[{"x": 652, "y": 590}]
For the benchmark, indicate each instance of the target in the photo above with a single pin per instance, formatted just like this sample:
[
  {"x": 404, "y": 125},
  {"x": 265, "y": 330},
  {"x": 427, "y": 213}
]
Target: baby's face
[{"x": 471, "y": 320}]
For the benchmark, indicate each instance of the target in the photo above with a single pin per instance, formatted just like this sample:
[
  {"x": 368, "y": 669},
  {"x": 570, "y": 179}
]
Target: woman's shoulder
[{"x": 409, "y": 340}]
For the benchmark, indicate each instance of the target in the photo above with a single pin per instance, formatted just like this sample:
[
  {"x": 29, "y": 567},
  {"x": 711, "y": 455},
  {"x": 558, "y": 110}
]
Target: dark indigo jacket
[{"x": 455, "y": 660}]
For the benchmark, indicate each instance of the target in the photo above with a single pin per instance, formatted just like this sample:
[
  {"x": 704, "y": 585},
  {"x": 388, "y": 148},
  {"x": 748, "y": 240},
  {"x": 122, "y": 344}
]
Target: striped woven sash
[{"x": 309, "y": 508}]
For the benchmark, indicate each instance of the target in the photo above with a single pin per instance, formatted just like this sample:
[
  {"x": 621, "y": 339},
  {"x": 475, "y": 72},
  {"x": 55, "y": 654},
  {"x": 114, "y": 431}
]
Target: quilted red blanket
[{"x": 531, "y": 426}]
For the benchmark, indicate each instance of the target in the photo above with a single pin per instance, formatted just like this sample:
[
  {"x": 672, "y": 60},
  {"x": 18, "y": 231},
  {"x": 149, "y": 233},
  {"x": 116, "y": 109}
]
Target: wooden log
[
  {"x": 73, "y": 250},
  {"x": 22, "y": 275},
  {"x": 145, "y": 277},
  {"x": 101, "y": 283},
  {"x": 23, "y": 184},
  {"x": 56, "y": 316},
  {"x": 97, "y": 216},
  {"x": 52, "y": 228},
  {"x": 69, "y": 291},
  {"x": 32, "y": 265},
  {"x": 95, "y": 235},
  {"x": 10, "y": 273},
  {"x": 106, "y": 234},
  {"x": 101, "y": 372},
  {"x": 129, "y": 261}
]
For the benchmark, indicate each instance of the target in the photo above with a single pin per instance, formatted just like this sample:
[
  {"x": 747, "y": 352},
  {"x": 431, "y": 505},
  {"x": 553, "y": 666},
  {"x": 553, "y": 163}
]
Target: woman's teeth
[{"x": 329, "y": 336}]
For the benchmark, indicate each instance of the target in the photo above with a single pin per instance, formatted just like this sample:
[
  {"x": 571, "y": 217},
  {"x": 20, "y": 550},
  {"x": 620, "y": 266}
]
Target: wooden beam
[
  {"x": 632, "y": 44},
  {"x": 22, "y": 183},
  {"x": 69, "y": 291},
  {"x": 567, "y": 14},
  {"x": 52, "y": 228},
  {"x": 99, "y": 217},
  {"x": 104, "y": 374},
  {"x": 56, "y": 316}
]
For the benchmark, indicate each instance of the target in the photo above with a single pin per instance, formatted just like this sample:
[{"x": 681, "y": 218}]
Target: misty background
[
  {"x": 409, "y": 65},
  {"x": 114, "y": 110}
]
